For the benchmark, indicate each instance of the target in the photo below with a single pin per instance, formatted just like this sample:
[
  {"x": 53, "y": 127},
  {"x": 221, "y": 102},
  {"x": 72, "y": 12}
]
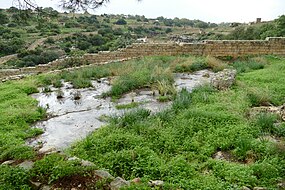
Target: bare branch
[
  {"x": 25, "y": 4},
  {"x": 74, "y": 5},
  {"x": 78, "y": 5}
]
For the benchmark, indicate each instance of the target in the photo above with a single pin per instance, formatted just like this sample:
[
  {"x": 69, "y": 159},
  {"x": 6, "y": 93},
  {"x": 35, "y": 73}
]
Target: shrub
[
  {"x": 165, "y": 88},
  {"x": 191, "y": 66},
  {"x": 215, "y": 64},
  {"x": 81, "y": 83},
  {"x": 182, "y": 101},
  {"x": 130, "y": 82},
  {"x": 246, "y": 66},
  {"x": 258, "y": 97},
  {"x": 266, "y": 122},
  {"x": 121, "y": 21}
]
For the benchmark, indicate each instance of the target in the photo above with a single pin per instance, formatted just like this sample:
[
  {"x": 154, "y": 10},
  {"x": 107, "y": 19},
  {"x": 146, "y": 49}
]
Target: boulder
[
  {"x": 136, "y": 180},
  {"x": 103, "y": 174},
  {"x": 280, "y": 111},
  {"x": 155, "y": 183},
  {"x": 87, "y": 163},
  {"x": 259, "y": 188},
  {"x": 8, "y": 162},
  {"x": 27, "y": 165},
  {"x": 118, "y": 183},
  {"x": 35, "y": 185},
  {"x": 224, "y": 79}
]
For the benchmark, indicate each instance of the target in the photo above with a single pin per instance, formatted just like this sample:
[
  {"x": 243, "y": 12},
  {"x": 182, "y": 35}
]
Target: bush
[
  {"x": 266, "y": 122},
  {"x": 258, "y": 97},
  {"x": 192, "y": 66},
  {"x": 121, "y": 21},
  {"x": 182, "y": 101},
  {"x": 246, "y": 66}
]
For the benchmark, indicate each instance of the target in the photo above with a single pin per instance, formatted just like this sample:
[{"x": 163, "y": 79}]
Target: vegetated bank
[{"x": 179, "y": 145}]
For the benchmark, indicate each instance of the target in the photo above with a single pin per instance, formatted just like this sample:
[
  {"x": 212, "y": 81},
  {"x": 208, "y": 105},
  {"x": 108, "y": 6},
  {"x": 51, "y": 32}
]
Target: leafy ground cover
[{"x": 177, "y": 145}]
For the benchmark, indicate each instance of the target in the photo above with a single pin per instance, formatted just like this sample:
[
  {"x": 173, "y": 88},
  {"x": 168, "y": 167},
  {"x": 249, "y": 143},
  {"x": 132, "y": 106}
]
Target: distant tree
[
  {"x": 213, "y": 25},
  {"x": 50, "y": 12},
  {"x": 3, "y": 18},
  {"x": 121, "y": 21},
  {"x": 201, "y": 24},
  {"x": 280, "y": 25},
  {"x": 161, "y": 18},
  {"x": 21, "y": 17},
  {"x": 83, "y": 45},
  {"x": 168, "y": 22},
  {"x": 168, "y": 30}
]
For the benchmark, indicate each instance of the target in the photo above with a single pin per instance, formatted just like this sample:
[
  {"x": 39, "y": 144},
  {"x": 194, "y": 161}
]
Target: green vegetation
[
  {"x": 17, "y": 112},
  {"x": 260, "y": 31},
  {"x": 54, "y": 167},
  {"x": 176, "y": 145},
  {"x": 127, "y": 106}
]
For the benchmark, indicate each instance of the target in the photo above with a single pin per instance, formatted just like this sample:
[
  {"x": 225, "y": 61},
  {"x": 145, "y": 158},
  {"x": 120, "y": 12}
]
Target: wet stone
[
  {"x": 118, "y": 183},
  {"x": 193, "y": 80},
  {"x": 155, "y": 183},
  {"x": 8, "y": 162},
  {"x": 27, "y": 165},
  {"x": 72, "y": 120},
  {"x": 103, "y": 174}
]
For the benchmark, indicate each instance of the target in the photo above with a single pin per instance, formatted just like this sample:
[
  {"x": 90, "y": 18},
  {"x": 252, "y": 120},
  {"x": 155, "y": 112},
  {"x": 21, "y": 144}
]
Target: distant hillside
[{"x": 39, "y": 38}]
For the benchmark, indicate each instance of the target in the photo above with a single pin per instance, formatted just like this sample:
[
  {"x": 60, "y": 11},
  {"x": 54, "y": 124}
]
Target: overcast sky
[{"x": 206, "y": 10}]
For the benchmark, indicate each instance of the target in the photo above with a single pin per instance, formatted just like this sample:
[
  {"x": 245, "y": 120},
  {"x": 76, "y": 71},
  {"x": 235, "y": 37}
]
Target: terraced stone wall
[{"x": 216, "y": 48}]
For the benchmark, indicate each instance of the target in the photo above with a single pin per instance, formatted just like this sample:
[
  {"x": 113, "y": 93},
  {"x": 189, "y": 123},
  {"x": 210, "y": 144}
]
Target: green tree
[
  {"x": 121, "y": 21},
  {"x": 3, "y": 18},
  {"x": 280, "y": 25}
]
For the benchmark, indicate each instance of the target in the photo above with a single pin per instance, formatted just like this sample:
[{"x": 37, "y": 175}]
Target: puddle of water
[
  {"x": 191, "y": 80},
  {"x": 73, "y": 120}
]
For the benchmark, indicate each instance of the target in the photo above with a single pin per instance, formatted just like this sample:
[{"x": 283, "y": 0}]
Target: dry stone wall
[{"x": 216, "y": 48}]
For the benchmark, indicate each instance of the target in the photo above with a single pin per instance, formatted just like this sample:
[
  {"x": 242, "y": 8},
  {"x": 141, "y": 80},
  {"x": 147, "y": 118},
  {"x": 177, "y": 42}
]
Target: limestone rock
[
  {"x": 87, "y": 163},
  {"x": 281, "y": 185},
  {"x": 45, "y": 187},
  {"x": 155, "y": 183},
  {"x": 280, "y": 110},
  {"x": 74, "y": 158},
  {"x": 219, "y": 156},
  {"x": 136, "y": 180},
  {"x": 35, "y": 185},
  {"x": 103, "y": 174},
  {"x": 27, "y": 165},
  {"x": 82, "y": 162},
  {"x": 224, "y": 79},
  {"x": 259, "y": 188},
  {"x": 245, "y": 188},
  {"x": 118, "y": 183},
  {"x": 47, "y": 150},
  {"x": 8, "y": 162}
]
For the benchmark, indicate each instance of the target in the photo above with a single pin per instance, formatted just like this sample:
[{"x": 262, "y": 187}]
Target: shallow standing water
[{"x": 71, "y": 120}]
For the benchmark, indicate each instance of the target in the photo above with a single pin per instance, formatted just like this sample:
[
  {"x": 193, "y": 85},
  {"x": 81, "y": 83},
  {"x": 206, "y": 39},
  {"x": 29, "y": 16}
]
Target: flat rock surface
[{"x": 72, "y": 120}]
